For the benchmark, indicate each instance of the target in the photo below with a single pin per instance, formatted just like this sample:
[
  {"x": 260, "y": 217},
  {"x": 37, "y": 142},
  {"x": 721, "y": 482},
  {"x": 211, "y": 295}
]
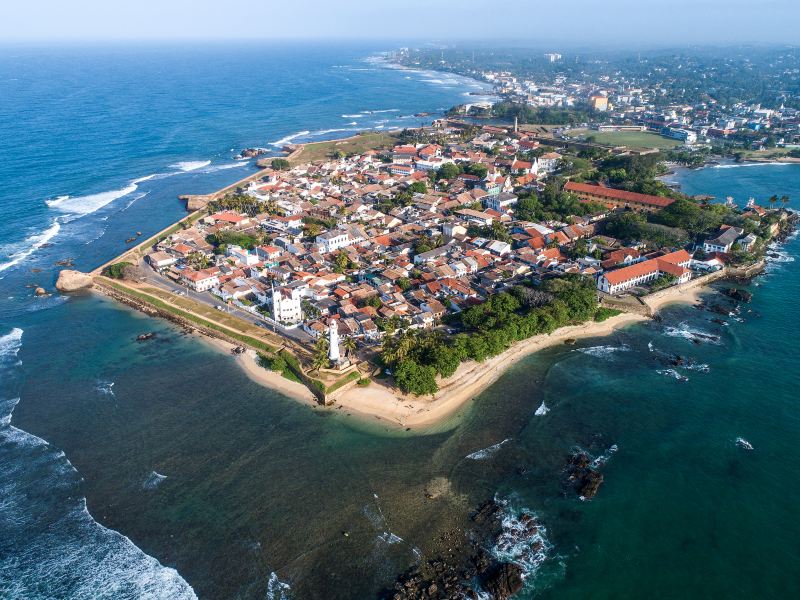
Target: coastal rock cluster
[
  {"x": 475, "y": 572},
  {"x": 582, "y": 476},
  {"x": 251, "y": 153},
  {"x": 73, "y": 281}
]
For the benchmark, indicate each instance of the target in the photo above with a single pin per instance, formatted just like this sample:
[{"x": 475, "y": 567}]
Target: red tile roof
[{"x": 617, "y": 195}]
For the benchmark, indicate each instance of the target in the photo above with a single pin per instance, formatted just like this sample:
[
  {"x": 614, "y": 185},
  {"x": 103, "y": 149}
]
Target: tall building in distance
[{"x": 552, "y": 56}]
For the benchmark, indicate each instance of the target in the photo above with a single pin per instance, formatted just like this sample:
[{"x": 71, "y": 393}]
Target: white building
[
  {"x": 286, "y": 306},
  {"x": 333, "y": 240}
]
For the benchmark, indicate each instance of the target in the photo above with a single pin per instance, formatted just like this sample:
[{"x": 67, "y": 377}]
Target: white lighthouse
[{"x": 333, "y": 339}]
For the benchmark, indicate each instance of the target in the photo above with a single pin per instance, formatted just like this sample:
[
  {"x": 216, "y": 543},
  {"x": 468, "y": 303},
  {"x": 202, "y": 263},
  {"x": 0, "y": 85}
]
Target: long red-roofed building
[
  {"x": 616, "y": 198},
  {"x": 619, "y": 280}
]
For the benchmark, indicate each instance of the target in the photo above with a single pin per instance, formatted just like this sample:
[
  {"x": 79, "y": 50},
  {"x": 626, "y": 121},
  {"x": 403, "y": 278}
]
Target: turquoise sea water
[{"x": 158, "y": 470}]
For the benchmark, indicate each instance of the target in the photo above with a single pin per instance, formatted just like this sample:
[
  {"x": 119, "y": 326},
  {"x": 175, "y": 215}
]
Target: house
[
  {"x": 549, "y": 162},
  {"x": 333, "y": 240},
  {"x": 159, "y": 260},
  {"x": 501, "y": 202},
  {"x": 619, "y": 280},
  {"x": 200, "y": 281},
  {"x": 724, "y": 240},
  {"x": 616, "y": 198}
]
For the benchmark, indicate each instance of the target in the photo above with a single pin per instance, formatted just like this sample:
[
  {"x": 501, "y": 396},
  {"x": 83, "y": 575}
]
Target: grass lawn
[
  {"x": 632, "y": 139},
  {"x": 370, "y": 140}
]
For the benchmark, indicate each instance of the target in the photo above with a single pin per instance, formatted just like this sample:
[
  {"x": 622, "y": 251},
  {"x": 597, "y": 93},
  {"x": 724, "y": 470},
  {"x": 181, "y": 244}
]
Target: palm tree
[
  {"x": 349, "y": 345},
  {"x": 773, "y": 200},
  {"x": 784, "y": 200},
  {"x": 320, "y": 354}
]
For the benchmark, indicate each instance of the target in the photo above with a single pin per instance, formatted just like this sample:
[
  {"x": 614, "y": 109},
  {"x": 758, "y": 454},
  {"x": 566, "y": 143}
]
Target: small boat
[{"x": 743, "y": 443}]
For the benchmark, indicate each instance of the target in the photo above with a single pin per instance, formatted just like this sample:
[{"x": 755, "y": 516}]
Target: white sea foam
[
  {"x": 751, "y": 164},
  {"x": 84, "y": 205},
  {"x": 276, "y": 589},
  {"x": 153, "y": 480},
  {"x": 355, "y": 116},
  {"x": 673, "y": 374},
  {"x": 10, "y": 344},
  {"x": 31, "y": 245},
  {"x": 522, "y": 541},
  {"x": 602, "y": 351},
  {"x": 105, "y": 387},
  {"x": 683, "y": 330},
  {"x": 226, "y": 166},
  {"x": 377, "y": 112},
  {"x": 605, "y": 457},
  {"x": 285, "y": 140},
  {"x": 77, "y": 556},
  {"x": 487, "y": 452},
  {"x": 650, "y": 346},
  {"x": 542, "y": 410},
  {"x": 190, "y": 165},
  {"x": 743, "y": 443}
]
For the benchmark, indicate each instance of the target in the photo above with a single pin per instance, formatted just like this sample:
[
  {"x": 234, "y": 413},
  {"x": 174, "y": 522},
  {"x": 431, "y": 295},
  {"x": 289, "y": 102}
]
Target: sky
[{"x": 575, "y": 22}]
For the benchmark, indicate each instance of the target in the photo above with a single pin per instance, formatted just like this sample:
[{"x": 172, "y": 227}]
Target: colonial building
[
  {"x": 619, "y": 280},
  {"x": 286, "y": 305},
  {"x": 617, "y": 198}
]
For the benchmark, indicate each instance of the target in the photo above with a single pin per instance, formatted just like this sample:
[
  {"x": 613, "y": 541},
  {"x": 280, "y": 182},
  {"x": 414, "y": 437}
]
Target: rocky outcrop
[
  {"x": 504, "y": 581},
  {"x": 739, "y": 294},
  {"x": 73, "y": 281},
  {"x": 40, "y": 291},
  {"x": 582, "y": 475}
]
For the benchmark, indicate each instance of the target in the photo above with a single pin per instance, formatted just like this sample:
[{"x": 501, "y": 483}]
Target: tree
[
  {"x": 349, "y": 345},
  {"x": 415, "y": 378},
  {"x": 418, "y": 187},
  {"x": 404, "y": 283},
  {"x": 448, "y": 171},
  {"x": 478, "y": 169},
  {"x": 321, "y": 349},
  {"x": 281, "y": 164}
]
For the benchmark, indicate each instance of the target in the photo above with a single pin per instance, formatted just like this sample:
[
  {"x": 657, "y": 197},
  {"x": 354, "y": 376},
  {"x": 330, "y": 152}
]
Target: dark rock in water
[
  {"x": 486, "y": 511},
  {"x": 582, "y": 475},
  {"x": 36, "y": 270},
  {"x": 719, "y": 321},
  {"x": 504, "y": 581},
  {"x": 143, "y": 337},
  {"x": 739, "y": 294},
  {"x": 719, "y": 309},
  {"x": 66, "y": 262},
  {"x": 676, "y": 361},
  {"x": 570, "y": 341},
  {"x": 590, "y": 483},
  {"x": 238, "y": 350}
]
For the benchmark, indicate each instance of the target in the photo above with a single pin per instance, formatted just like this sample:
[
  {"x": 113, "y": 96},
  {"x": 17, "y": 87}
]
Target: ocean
[{"x": 158, "y": 470}]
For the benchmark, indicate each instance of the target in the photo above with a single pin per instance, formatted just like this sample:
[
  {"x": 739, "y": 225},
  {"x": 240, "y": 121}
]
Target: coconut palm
[{"x": 349, "y": 345}]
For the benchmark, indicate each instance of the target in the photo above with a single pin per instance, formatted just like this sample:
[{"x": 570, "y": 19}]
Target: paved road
[{"x": 163, "y": 283}]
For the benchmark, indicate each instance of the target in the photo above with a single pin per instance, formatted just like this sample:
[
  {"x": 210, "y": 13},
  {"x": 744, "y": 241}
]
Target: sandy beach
[
  {"x": 248, "y": 361},
  {"x": 383, "y": 402},
  {"x": 469, "y": 380}
]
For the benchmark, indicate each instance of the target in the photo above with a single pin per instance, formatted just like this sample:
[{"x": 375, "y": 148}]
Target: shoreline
[{"x": 380, "y": 402}]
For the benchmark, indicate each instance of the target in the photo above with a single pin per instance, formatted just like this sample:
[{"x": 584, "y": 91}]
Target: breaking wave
[
  {"x": 285, "y": 140},
  {"x": 672, "y": 373},
  {"x": 190, "y": 165},
  {"x": 487, "y": 452},
  {"x": 542, "y": 410},
  {"x": 276, "y": 589},
  {"x": 751, "y": 164},
  {"x": 33, "y": 243},
  {"x": 683, "y": 330},
  {"x": 522, "y": 541},
  {"x": 84, "y": 205},
  {"x": 602, "y": 351},
  {"x": 105, "y": 387},
  {"x": 153, "y": 480}
]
